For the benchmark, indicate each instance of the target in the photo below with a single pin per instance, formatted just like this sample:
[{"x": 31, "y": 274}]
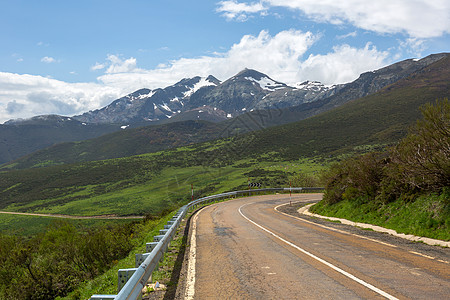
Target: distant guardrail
[{"x": 133, "y": 280}]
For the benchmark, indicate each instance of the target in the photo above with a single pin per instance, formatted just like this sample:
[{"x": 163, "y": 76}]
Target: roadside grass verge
[{"x": 427, "y": 216}]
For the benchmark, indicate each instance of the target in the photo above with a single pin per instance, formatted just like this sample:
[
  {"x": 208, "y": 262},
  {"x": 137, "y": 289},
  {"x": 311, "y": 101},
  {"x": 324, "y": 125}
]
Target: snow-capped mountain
[
  {"x": 246, "y": 91},
  {"x": 206, "y": 99},
  {"x": 149, "y": 105}
]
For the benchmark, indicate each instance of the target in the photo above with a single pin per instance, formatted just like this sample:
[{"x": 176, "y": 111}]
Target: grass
[{"x": 428, "y": 216}]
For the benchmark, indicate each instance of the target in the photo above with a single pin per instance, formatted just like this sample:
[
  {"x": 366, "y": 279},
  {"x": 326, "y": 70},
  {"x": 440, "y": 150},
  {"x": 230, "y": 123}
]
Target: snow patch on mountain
[
  {"x": 132, "y": 98},
  {"x": 314, "y": 86},
  {"x": 267, "y": 84},
  {"x": 201, "y": 83},
  {"x": 165, "y": 107}
]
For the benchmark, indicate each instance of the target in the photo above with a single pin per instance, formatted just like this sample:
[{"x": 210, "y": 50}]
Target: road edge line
[
  {"x": 190, "y": 277},
  {"x": 429, "y": 241}
]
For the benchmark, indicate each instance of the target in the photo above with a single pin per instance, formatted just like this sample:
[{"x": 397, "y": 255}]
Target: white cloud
[
  {"x": 344, "y": 64},
  {"x": 48, "y": 60},
  {"x": 416, "y": 18},
  {"x": 23, "y": 96},
  {"x": 97, "y": 66},
  {"x": 413, "y": 46},
  {"x": 279, "y": 56},
  {"x": 344, "y": 36},
  {"x": 233, "y": 10},
  {"x": 118, "y": 65}
]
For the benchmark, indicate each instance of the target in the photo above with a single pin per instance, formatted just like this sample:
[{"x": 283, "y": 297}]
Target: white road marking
[
  {"x": 423, "y": 255},
  {"x": 360, "y": 281},
  {"x": 190, "y": 278},
  {"x": 348, "y": 233},
  {"x": 333, "y": 229}
]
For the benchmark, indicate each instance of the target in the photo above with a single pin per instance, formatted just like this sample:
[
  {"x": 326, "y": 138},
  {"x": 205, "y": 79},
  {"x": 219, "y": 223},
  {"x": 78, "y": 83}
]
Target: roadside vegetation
[
  {"x": 406, "y": 188},
  {"x": 65, "y": 258}
]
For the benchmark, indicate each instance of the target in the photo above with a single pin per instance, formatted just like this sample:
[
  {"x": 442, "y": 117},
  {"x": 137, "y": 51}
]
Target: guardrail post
[
  {"x": 139, "y": 258},
  {"x": 157, "y": 238},
  {"x": 124, "y": 275},
  {"x": 150, "y": 246}
]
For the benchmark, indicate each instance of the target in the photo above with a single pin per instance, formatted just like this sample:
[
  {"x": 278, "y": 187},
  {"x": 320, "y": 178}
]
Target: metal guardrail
[{"x": 133, "y": 280}]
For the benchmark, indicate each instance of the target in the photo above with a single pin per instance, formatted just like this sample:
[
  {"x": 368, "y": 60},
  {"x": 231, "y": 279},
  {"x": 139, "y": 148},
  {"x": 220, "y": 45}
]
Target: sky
[{"x": 69, "y": 57}]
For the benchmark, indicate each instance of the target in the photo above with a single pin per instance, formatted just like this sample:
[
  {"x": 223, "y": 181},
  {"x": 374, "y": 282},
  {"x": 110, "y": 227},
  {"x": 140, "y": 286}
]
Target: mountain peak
[
  {"x": 265, "y": 82},
  {"x": 250, "y": 73}
]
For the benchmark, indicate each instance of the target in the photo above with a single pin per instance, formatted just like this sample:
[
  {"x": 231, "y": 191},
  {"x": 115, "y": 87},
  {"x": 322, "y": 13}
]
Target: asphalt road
[{"x": 250, "y": 249}]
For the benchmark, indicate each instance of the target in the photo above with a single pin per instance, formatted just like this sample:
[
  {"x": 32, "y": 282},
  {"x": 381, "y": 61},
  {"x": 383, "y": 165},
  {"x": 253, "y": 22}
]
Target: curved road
[{"x": 248, "y": 249}]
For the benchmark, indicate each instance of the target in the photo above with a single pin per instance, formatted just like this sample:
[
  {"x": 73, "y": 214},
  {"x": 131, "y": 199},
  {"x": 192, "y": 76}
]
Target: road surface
[{"x": 247, "y": 249}]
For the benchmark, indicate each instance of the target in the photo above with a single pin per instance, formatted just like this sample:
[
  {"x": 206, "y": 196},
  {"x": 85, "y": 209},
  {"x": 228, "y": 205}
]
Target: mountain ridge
[
  {"x": 376, "y": 119},
  {"x": 245, "y": 96}
]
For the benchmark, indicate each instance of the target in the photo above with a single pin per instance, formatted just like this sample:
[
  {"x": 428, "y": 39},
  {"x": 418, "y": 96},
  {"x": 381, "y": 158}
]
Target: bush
[
  {"x": 355, "y": 178},
  {"x": 421, "y": 161},
  {"x": 419, "y": 164},
  {"x": 57, "y": 261}
]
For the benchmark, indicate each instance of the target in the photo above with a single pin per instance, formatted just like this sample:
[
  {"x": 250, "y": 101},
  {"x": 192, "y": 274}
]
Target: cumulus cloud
[
  {"x": 233, "y": 10},
  {"x": 97, "y": 66},
  {"x": 23, "y": 96},
  {"x": 280, "y": 56},
  {"x": 277, "y": 55},
  {"x": 417, "y": 18},
  {"x": 342, "y": 65},
  {"x": 48, "y": 60}
]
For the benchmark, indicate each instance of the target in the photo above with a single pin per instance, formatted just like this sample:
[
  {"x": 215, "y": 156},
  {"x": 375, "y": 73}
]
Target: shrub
[{"x": 419, "y": 164}]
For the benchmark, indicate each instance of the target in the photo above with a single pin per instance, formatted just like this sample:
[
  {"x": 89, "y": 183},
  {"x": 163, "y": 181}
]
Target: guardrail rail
[{"x": 132, "y": 281}]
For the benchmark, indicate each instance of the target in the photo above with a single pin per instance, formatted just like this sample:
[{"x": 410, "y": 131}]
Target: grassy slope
[
  {"x": 427, "y": 216},
  {"x": 122, "y": 144},
  {"x": 19, "y": 140}
]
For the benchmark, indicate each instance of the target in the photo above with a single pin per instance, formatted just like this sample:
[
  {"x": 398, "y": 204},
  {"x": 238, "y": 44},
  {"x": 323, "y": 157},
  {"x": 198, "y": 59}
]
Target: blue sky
[{"x": 68, "y": 57}]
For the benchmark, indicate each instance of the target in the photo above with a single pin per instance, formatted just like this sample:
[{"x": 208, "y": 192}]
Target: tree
[{"x": 422, "y": 159}]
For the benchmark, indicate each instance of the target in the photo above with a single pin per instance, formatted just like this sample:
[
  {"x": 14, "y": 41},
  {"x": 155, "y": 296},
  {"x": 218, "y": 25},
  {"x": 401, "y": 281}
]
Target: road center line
[{"x": 360, "y": 281}]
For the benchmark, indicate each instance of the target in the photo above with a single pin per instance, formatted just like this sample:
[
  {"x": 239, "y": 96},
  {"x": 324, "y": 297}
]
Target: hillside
[
  {"x": 364, "y": 121},
  {"x": 381, "y": 118},
  {"x": 123, "y": 143},
  {"x": 147, "y": 183},
  {"x": 23, "y": 137},
  {"x": 254, "y": 98}
]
